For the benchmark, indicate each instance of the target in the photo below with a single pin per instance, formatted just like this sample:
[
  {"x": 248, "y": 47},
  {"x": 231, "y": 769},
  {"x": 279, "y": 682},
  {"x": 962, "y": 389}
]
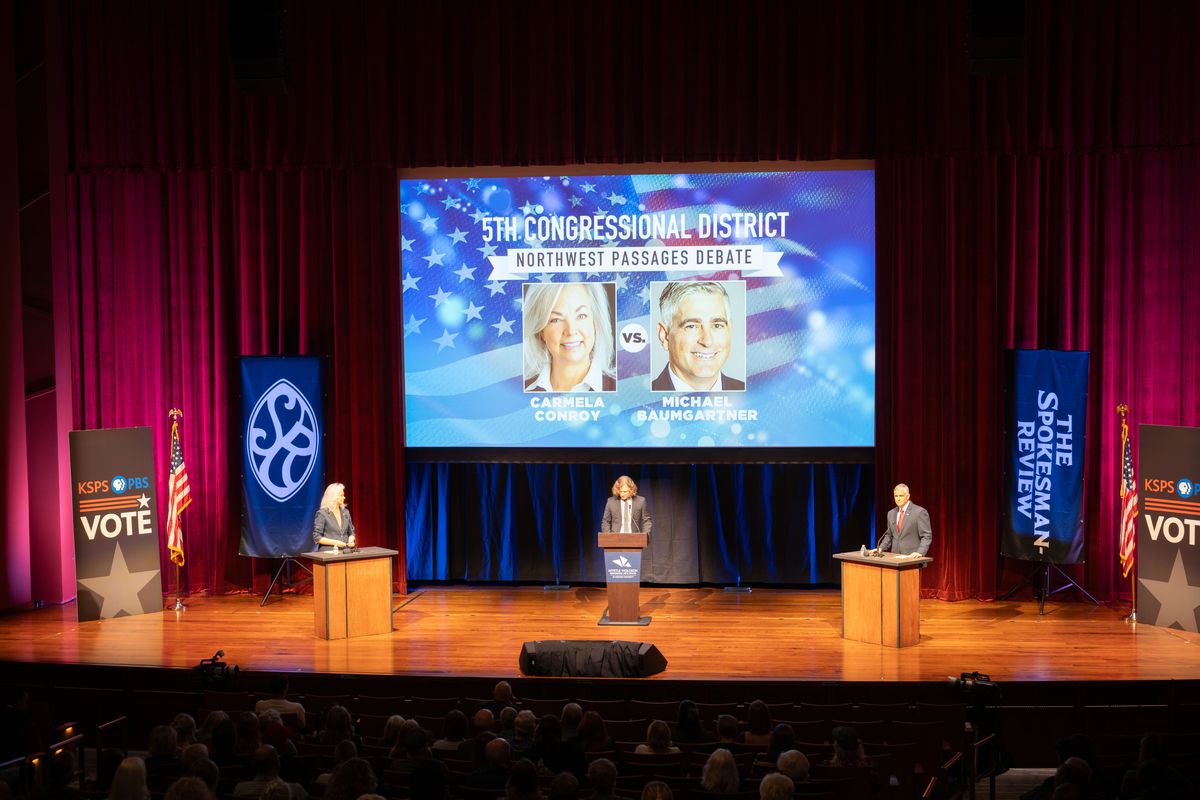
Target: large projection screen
[{"x": 689, "y": 308}]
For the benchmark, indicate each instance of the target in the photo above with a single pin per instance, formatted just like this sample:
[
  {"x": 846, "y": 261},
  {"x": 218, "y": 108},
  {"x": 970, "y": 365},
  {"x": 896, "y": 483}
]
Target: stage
[{"x": 705, "y": 634}]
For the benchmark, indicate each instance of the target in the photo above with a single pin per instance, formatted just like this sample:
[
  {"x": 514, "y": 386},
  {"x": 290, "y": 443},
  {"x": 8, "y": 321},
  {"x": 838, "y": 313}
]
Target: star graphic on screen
[
  {"x": 588, "y": 187},
  {"x": 143, "y": 502},
  {"x": 1178, "y": 598},
  {"x": 445, "y": 340},
  {"x": 118, "y": 590},
  {"x": 459, "y": 236},
  {"x": 473, "y": 311},
  {"x": 406, "y": 244},
  {"x": 616, "y": 199},
  {"x": 645, "y": 294},
  {"x": 545, "y": 277},
  {"x": 429, "y": 224},
  {"x": 465, "y": 273},
  {"x": 495, "y": 287},
  {"x": 449, "y": 201},
  {"x": 488, "y": 250},
  {"x": 472, "y": 183},
  {"x": 441, "y": 297},
  {"x": 621, "y": 281},
  {"x": 478, "y": 215},
  {"x": 575, "y": 201},
  {"x": 527, "y": 209},
  {"x": 404, "y": 207},
  {"x": 413, "y": 325},
  {"x": 410, "y": 282},
  {"x": 503, "y": 326},
  {"x": 434, "y": 257},
  {"x": 590, "y": 274}
]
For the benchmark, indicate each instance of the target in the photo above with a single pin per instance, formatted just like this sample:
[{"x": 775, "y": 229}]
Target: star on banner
[
  {"x": 616, "y": 199},
  {"x": 527, "y": 209},
  {"x": 441, "y": 297},
  {"x": 465, "y": 273},
  {"x": 445, "y": 340},
  {"x": 413, "y": 325},
  {"x": 434, "y": 257},
  {"x": 429, "y": 224},
  {"x": 1178, "y": 599},
  {"x": 459, "y": 236},
  {"x": 410, "y": 282},
  {"x": 143, "y": 502},
  {"x": 473, "y": 311},
  {"x": 449, "y": 201},
  {"x": 545, "y": 277},
  {"x": 478, "y": 215},
  {"x": 575, "y": 201},
  {"x": 406, "y": 244},
  {"x": 472, "y": 183},
  {"x": 118, "y": 590},
  {"x": 645, "y": 294},
  {"x": 488, "y": 250},
  {"x": 588, "y": 187},
  {"x": 621, "y": 281},
  {"x": 503, "y": 326},
  {"x": 495, "y": 287}
]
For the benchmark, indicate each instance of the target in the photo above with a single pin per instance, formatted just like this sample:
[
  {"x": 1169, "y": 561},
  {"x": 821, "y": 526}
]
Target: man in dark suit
[
  {"x": 695, "y": 327},
  {"x": 908, "y": 528},
  {"x": 626, "y": 511}
]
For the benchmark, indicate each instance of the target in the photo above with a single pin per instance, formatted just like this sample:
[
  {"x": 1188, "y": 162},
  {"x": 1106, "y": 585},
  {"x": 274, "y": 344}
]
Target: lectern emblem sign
[{"x": 281, "y": 440}]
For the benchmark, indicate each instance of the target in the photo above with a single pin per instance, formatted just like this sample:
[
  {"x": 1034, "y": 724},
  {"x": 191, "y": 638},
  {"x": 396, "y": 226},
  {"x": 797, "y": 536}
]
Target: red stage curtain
[
  {"x": 981, "y": 254},
  {"x": 174, "y": 275}
]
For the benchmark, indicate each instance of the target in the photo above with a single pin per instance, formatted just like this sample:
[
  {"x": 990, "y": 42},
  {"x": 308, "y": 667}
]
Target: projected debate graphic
[{"x": 678, "y": 310}]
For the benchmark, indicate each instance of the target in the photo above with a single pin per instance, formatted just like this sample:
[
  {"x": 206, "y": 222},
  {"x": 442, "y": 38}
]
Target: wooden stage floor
[{"x": 706, "y": 634}]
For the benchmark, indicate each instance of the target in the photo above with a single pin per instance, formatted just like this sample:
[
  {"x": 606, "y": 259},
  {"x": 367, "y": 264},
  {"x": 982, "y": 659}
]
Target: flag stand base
[{"x": 1038, "y": 579}]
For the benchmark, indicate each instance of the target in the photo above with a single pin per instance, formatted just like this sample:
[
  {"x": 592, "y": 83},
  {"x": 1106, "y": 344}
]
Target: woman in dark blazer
[{"x": 332, "y": 526}]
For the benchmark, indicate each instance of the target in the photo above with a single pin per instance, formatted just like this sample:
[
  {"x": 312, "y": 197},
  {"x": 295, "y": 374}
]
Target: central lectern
[
  {"x": 352, "y": 592},
  {"x": 623, "y": 570},
  {"x": 881, "y": 598}
]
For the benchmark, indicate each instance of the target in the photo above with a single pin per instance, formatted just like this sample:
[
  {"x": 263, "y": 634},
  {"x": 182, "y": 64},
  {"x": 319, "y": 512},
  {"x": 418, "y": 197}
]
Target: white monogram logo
[
  {"x": 622, "y": 561},
  {"x": 282, "y": 459}
]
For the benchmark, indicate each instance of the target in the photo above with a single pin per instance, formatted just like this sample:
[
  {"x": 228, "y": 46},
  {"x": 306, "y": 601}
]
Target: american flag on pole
[
  {"x": 1129, "y": 503},
  {"x": 178, "y": 492}
]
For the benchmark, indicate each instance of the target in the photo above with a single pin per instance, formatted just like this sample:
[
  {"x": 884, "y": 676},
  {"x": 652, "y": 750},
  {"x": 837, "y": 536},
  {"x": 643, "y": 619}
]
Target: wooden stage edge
[{"x": 705, "y": 634}]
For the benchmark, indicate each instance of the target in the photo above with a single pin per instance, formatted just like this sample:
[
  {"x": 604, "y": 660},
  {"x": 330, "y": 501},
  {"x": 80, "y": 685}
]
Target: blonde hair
[
  {"x": 624, "y": 479},
  {"x": 720, "y": 774},
  {"x": 330, "y": 496},
  {"x": 539, "y": 302},
  {"x": 129, "y": 782}
]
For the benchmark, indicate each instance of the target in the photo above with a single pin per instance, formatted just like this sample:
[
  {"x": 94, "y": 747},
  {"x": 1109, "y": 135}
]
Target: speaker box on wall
[
  {"x": 257, "y": 50},
  {"x": 591, "y": 659}
]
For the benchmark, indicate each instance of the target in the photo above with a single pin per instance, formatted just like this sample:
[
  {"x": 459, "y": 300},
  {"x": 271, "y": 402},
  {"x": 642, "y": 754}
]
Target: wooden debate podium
[
  {"x": 881, "y": 598},
  {"x": 352, "y": 592},
  {"x": 624, "y": 576}
]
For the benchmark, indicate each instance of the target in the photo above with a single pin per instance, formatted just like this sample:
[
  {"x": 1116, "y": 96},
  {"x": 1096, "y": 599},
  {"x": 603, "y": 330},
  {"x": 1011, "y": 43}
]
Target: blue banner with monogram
[
  {"x": 623, "y": 567},
  {"x": 1046, "y": 425},
  {"x": 283, "y": 454}
]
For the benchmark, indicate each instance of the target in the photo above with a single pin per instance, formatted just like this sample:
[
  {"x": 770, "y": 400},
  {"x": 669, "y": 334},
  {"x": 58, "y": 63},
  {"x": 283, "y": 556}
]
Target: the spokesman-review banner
[
  {"x": 1046, "y": 425},
  {"x": 117, "y": 571}
]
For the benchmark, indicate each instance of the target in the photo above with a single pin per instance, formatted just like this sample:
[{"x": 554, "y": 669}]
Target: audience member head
[
  {"x": 656, "y": 790},
  {"x": 129, "y": 781},
  {"x": 391, "y": 730},
  {"x": 658, "y": 736},
  {"x": 224, "y": 739},
  {"x": 266, "y": 763},
  {"x": 338, "y": 725},
  {"x": 548, "y": 732},
  {"x": 350, "y": 779},
  {"x": 783, "y": 737},
  {"x": 478, "y": 752},
  {"x": 214, "y": 718},
  {"x": 563, "y": 786},
  {"x": 484, "y": 720},
  {"x": 602, "y": 776},
  {"x": 502, "y": 693},
  {"x": 163, "y": 743},
  {"x": 522, "y": 782},
  {"x": 794, "y": 764},
  {"x": 776, "y": 786},
  {"x": 185, "y": 730},
  {"x": 572, "y": 715},
  {"x": 279, "y": 685},
  {"x": 847, "y": 749},
  {"x": 188, "y": 788},
  {"x": 497, "y": 753},
  {"x": 191, "y": 755},
  {"x": 428, "y": 779},
  {"x": 593, "y": 733},
  {"x": 207, "y": 771},
  {"x": 689, "y": 718},
  {"x": 727, "y": 727},
  {"x": 1073, "y": 770},
  {"x": 758, "y": 718},
  {"x": 249, "y": 737},
  {"x": 455, "y": 726},
  {"x": 416, "y": 742},
  {"x": 525, "y": 725},
  {"x": 720, "y": 774},
  {"x": 276, "y": 790},
  {"x": 107, "y": 762},
  {"x": 344, "y": 750},
  {"x": 400, "y": 748},
  {"x": 508, "y": 719}
]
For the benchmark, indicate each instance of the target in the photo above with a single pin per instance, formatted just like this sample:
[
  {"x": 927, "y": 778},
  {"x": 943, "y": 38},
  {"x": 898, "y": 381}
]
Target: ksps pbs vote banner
[
  {"x": 283, "y": 454},
  {"x": 1046, "y": 425},
  {"x": 117, "y": 570},
  {"x": 1168, "y": 544}
]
